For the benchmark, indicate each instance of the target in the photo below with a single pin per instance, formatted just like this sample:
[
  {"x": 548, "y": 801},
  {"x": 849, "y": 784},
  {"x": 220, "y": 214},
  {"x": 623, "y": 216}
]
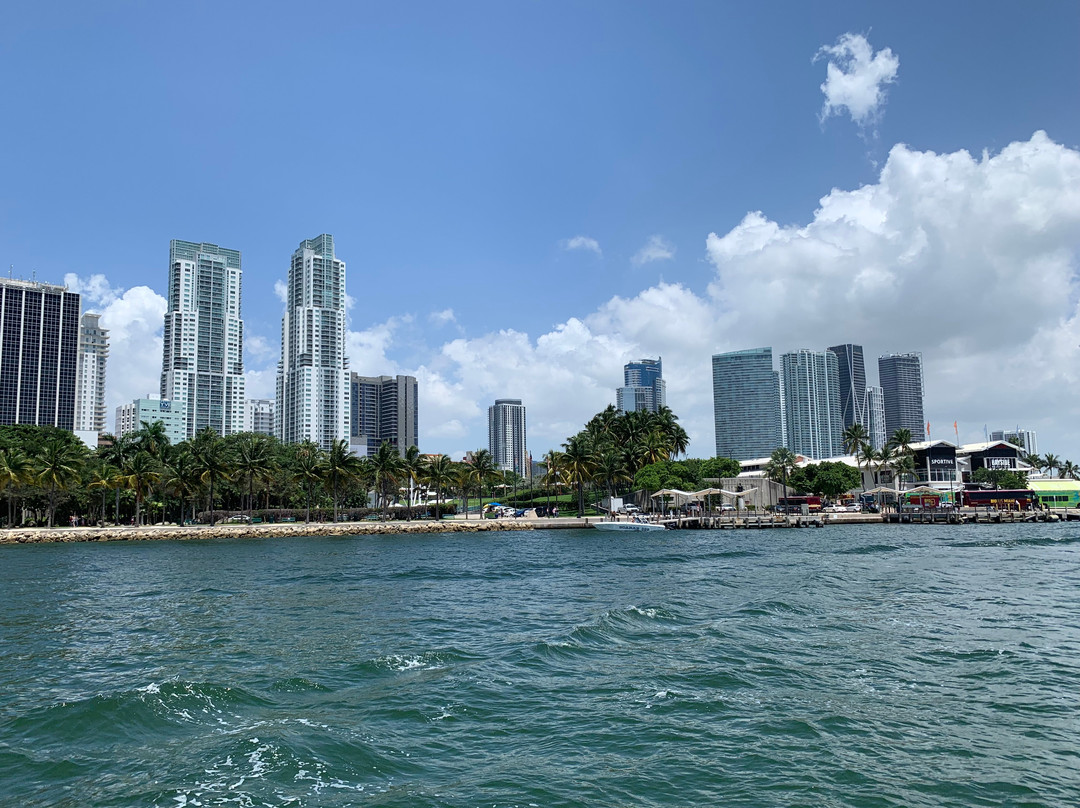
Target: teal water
[{"x": 845, "y": 666}]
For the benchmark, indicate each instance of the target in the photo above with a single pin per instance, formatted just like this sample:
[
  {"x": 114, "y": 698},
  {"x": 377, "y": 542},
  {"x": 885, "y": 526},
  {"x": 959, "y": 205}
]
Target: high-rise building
[
  {"x": 875, "y": 418},
  {"x": 259, "y": 416},
  {"x": 313, "y": 375},
  {"x": 39, "y": 353},
  {"x": 506, "y": 435},
  {"x": 131, "y": 417},
  {"x": 90, "y": 381},
  {"x": 852, "y": 384},
  {"x": 383, "y": 409},
  {"x": 1026, "y": 439},
  {"x": 202, "y": 369},
  {"x": 643, "y": 387},
  {"x": 812, "y": 403},
  {"x": 902, "y": 385},
  {"x": 746, "y": 404}
]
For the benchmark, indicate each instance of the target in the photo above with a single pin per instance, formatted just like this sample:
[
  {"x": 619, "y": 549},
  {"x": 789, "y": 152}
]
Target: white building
[
  {"x": 130, "y": 417},
  {"x": 1026, "y": 439},
  {"x": 506, "y": 435},
  {"x": 90, "y": 378},
  {"x": 259, "y": 416},
  {"x": 313, "y": 374},
  {"x": 202, "y": 369}
]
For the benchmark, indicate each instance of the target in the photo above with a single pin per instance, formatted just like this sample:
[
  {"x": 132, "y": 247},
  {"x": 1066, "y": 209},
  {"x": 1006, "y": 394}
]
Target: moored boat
[{"x": 626, "y": 526}]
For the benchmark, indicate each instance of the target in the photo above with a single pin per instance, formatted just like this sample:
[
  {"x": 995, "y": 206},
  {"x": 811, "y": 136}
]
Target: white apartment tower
[
  {"x": 506, "y": 435},
  {"x": 202, "y": 370},
  {"x": 313, "y": 374},
  {"x": 90, "y": 381}
]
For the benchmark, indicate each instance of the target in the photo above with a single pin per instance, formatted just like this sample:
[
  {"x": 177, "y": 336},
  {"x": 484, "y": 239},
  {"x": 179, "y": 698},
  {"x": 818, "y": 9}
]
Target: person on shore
[{"x": 555, "y": 512}]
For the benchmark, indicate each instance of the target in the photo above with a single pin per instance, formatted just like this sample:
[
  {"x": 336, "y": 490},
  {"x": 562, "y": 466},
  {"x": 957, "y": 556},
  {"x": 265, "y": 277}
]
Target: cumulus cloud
[
  {"x": 444, "y": 317},
  {"x": 582, "y": 243},
  {"x": 281, "y": 290},
  {"x": 135, "y": 320},
  {"x": 95, "y": 289},
  {"x": 856, "y": 78},
  {"x": 971, "y": 260},
  {"x": 657, "y": 248}
]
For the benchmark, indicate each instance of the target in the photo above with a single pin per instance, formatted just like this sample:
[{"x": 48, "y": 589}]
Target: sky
[{"x": 529, "y": 195}]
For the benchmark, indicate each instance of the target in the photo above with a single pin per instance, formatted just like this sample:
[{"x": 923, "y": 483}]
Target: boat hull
[{"x": 626, "y": 527}]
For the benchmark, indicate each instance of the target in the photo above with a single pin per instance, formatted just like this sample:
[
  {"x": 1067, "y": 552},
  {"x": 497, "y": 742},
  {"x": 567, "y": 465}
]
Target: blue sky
[{"x": 490, "y": 171}]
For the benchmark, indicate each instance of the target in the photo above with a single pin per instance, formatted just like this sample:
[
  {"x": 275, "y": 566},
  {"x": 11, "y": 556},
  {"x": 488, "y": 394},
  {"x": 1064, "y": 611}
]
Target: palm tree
[
  {"x": 463, "y": 479},
  {"x": 152, "y": 438},
  {"x": 484, "y": 471},
  {"x": 182, "y": 477},
  {"x": 341, "y": 464},
  {"x": 254, "y": 460},
  {"x": 1069, "y": 469},
  {"x": 578, "y": 465},
  {"x": 902, "y": 465},
  {"x": 439, "y": 473},
  {"x": 677, "y": 439},
  {"x": 1033, "y": 460},
  {"x": 58, "y": 464},
  {"x": 212, "y": 459},
  {"x": 611, "y": 471},
  {"x": 782, "y": 463},
  {"x": 308, "y": 467},
  {"x": 15, "y": 470},
  {"x": 140, "y": 472},
  {"x": 413, "y": 466},
  {"x": 1051, "y": 463},
  {"x": 866, "y": 456},
  {"x": 387, "y": 470},
  {"x": 854, "y": 437},
  {"x": 116, "y": 454},
  {"x": 654, "y": 448},
  {"x": 901, "y": 441},
  {"x": 552, "y": 474}
]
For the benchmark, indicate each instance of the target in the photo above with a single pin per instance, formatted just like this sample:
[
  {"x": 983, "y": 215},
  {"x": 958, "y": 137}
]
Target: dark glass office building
[
  {"x": 39, "y": 353},
  {"x": 853, "y": 407},
  {"x": 902, "y": 386}
]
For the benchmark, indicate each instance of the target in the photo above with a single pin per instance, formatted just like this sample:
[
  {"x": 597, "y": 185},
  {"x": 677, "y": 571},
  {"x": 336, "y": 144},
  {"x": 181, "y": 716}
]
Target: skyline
[{"x": 531, "y": 198}]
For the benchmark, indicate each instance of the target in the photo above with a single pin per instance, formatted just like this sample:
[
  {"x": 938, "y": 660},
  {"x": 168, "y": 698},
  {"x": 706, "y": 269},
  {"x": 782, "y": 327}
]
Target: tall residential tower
[
  {"x": 202, "y": 368},
  {"x": 383, "y": 409},
  {"x": 313, "y": 374},
  {"x": 746, "y": 404},
  {"x": 506, "y": 435},
  {"x": 812, "y": 403},
  {"x": 902, "y": 386},
  {"x": 90, "y": 384},
  {"x": 643, "y": 387}
]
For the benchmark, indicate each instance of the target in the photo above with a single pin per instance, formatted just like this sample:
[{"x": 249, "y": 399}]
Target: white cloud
[
  {"x": 972, "y": 261},
  {"x": 95, "y": 290},
  {"x": 582, "y": 243},
  {"x": 281, "y": 290},
  {"x": 856, "y": 78},
  {"x": 444, "y": 317},
  {"x": 259, "y": 348},
  {"x": 657, "y": 248},
  {"x": 135, "y": 320}
]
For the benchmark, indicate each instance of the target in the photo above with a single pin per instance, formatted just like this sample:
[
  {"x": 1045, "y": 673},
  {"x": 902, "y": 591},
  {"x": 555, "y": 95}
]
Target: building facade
[
  {"x": 875, "y": 417},
  {"x": 202, "y": 369},
  {"x": 506, "y": 436},
  {"x": 643, "y": 387},
  {"x": 811, "y": 382},
  {"x": 383, "y": 409},
  {"x": 259, "y": 416},
  {"x": 90, "y": 382},
  {"x": 313, "y": 374},
  {"x": 39, "y": 353},
  {"x": 1026, "y": 439},
  {"x": 852, "y": 370},
  {"x": 130, "y": 418},
  {"x": 746, "y": 404},
  {"x": 902, "y": 386}
]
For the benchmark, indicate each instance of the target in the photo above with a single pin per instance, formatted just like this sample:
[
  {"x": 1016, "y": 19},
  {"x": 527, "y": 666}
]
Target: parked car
[
  {"x": 629, "y": 509},
  {"x": 727, "y": 507}
]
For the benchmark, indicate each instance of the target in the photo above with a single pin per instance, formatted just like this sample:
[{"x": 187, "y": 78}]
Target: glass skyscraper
[
  {"x": 812, "y": 403},
  {"x": 39, "y": 347},
  {"x": 852, "y": 384},
  {"x": 643, "y": 387},
  {"x": 383, "y": 408},
  {"x": 746, "y": 404},
  {"x": 506, "y": 435},
  {"x": 313, "y": 374},
  {"x": 902, "y": 386},
  {"x": 202, "y": 368}
]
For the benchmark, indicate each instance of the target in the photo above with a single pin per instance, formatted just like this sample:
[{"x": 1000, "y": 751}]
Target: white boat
[{"x": 626, "y": 526}]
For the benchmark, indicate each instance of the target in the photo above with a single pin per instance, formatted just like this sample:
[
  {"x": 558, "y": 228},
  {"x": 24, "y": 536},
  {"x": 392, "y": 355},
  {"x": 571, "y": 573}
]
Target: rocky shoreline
[{"x": 41, "y": 535}]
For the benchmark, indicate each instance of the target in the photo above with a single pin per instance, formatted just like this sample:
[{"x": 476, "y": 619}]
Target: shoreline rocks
[{"x": 43, "y": 535}]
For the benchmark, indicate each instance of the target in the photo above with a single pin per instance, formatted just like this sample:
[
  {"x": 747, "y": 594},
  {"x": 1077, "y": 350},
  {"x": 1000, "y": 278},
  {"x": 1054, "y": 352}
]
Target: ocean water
[{"x": 843, "y": 666}]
